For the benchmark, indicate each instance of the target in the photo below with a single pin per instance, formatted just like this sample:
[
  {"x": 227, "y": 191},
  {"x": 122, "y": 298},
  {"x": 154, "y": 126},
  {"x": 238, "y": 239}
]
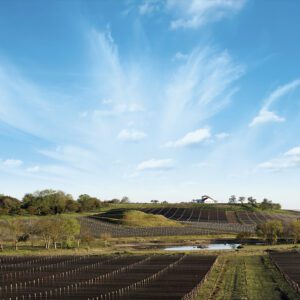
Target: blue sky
[{"x": 161, "y": 99}]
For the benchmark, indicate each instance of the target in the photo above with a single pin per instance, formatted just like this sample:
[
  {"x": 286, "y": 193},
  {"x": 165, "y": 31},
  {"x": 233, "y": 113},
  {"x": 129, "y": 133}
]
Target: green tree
[
  {"x": 242, "y": 200},
  {"x": 16, "y": 229},
  {"x": 9, "y": 205},
  {"x": 47, "y": 202},
  {"x": 232, "y": 199},
  {"x": 252, "y": 201},
  {"x": 88, "y": 203},
  {"x": 270, "y": 231},
  {"x": 294, "y": 230},
  {"x": 125, "y": 199}
]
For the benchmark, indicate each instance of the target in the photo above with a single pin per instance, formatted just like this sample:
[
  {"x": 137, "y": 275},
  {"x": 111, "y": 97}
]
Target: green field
[{"x": 252, "y": 277}]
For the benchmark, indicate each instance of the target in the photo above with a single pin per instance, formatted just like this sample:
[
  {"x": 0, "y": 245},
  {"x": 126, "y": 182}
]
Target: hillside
[{"x": 136, "y": 218}]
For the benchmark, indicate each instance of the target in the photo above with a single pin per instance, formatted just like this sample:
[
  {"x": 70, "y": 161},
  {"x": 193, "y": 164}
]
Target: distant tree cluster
[
  {"x": 52, "y": 202},
  {"x": 50, "y": 231},
  {"x": 252, "y": 202},
  {"x": 272, "y": 230}
]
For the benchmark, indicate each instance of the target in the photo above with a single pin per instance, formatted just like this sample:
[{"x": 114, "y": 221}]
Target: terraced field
[
  {"x": 96, "y": 277},
  {"x": 217, "y": 215},
  {"x": 196, "y": 221},
  {"x": 289, "y": 265}
]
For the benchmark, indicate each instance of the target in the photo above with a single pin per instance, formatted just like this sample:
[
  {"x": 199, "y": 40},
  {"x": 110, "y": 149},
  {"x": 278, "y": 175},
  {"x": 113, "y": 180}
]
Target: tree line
[
  {"x": 52, "y": 202},
  {"x": 273, "y": 230},
  {"x": 50, "y": 231},
  {"x": 265, "y": 204}
]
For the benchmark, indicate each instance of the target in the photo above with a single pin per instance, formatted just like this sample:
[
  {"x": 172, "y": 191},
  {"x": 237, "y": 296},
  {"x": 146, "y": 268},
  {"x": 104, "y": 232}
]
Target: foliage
[
  {"x": 294, "y": 231},
  {"x": 270, "y": 231},
  {"x": 88, "y": 203},
  {"x": 9, "y": 205},
  {"x": 51, "y": 230},
  {"x": 232, "y": 199},
  {"x": 48, "y": 202}
]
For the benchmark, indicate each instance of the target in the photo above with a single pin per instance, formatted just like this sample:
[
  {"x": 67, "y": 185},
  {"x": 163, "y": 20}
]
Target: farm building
[{"x": 205, "y": 199}]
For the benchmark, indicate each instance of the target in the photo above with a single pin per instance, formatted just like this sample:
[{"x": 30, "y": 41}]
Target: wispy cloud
[
  {"x": 289, "y": 160},
  {"x": 33, "y": 169},
  {"x": 201, "y": 86},
  {"x": 155, "y": 164},
  {"x": 222, "y": 136},
  {"x": 12, "y": 163},
  {"x": 192, "y": 138},
  {"x": 194, "y": 13},
  {"x": 265, "y": 115},
  {"x": 131, "y": 135},
  {"x": 149, "y": 6}
]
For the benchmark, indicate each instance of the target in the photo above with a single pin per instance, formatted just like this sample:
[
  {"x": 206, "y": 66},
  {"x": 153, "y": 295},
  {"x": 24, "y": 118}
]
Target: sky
[{"x": 156, "y": 99}]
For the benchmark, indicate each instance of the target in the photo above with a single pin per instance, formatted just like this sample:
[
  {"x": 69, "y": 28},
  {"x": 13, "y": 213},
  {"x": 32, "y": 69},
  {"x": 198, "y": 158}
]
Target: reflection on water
[{"x": 204, "y": 247}]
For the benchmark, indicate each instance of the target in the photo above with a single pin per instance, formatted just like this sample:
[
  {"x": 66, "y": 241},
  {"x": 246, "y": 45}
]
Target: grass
[
  {"x": 245, "y": 276},
  {"x": 137, "y": 219}
]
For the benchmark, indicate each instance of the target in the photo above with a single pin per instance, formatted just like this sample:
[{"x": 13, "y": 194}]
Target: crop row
[
  {"x": 216, "y": 215},
  {"x": 288, "y": 263},
  {"x": 96, "y": 227},
  {"x": 99, "y": 277}
]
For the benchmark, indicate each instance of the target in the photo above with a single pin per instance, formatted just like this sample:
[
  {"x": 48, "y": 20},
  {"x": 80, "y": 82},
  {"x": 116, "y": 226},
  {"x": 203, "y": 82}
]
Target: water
[{"x": 210, "y": 247}]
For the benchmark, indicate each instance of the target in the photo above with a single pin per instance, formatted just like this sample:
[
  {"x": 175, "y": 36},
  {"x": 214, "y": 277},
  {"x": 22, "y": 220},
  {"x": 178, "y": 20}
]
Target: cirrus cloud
[
  {"x": 132, "y": 135},
  {"x": 289, "y": 160},
  {"x": 192, "y": 138},
  {"x": 155, "y": 164},
  {"x": 12, "y": 163}
]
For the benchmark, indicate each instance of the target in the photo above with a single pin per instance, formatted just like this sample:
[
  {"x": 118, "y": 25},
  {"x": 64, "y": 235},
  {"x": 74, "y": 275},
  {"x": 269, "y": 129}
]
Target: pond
[{"x": 212, "y": 247}]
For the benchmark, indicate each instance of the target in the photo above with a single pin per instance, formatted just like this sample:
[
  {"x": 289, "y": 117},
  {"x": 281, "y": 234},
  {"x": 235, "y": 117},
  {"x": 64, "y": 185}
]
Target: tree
[
  {"x": 270, "y": 231},
  {"x": 154, "y": 201},
  {"x": 268, "y": 204},
  {"x": 125, "y": 199},
  {"x": 88, "y": 203},
  {"x": 232, "y": 199},
  {"x": 49, "y": 202},
  {"x": 70, "y": 230},
  {"x": 58, "y": 229},
  {"x": 43, "y": 229},
  {"x": 252, "y": 201},
  {"x": 9, "y": 205},
  {"x": 242, "y": 200},
  {"x": 16, "y": 231},
  {"x": 294, "y": 230}
]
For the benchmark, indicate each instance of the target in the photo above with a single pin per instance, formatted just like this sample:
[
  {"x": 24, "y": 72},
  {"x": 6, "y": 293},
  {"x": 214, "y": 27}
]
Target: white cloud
[
  {"x": 131, "y": 135},
  {"x": 155, "y": 164},
  {"x": 33, "y": 169},
  {"x": 77, "y": 157},
  {"x": 196, "y": 13},
  {"x": 289, "y": 160},
  {"x": 181, "y": 56},
  {"x": 192, "y": 138},
  {"x": 12, "y": 163},
  {"x": 201, "y": 87},
  {"x": 293, "y": 152},
  {"x": 222, "y": 135},
  {"x": 266, "y": 116},
  {"x": 149, "y": 6}
]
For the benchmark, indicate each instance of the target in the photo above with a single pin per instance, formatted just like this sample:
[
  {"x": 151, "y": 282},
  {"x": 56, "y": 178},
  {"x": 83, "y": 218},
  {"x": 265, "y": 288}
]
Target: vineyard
[
  {"x": 288, "y": 263},
  {"x": 110, "y": 277},
  {"x": 97, "y": 227},
  {"x": 196, "y": 221},
  {"x": 217, "y": 215}
]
